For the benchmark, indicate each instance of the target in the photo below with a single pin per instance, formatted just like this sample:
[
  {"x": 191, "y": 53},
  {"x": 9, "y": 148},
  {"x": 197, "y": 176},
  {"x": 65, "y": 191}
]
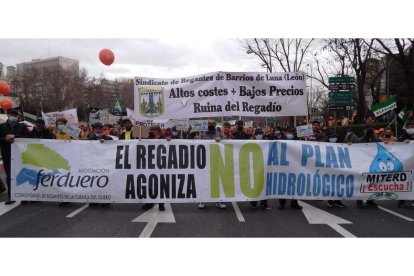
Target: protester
[
  {"x": 318, "y": 134},
  {"x": 155, "y": 133},
  {"x": 239, "y": 134},
  {"x": 368, "y": 137},
  {"x": 258, "y": 135},
  {"x": 10, "y": 130},
  {"x": 350, "y": 136},
  {"x": 84, "y": 133},
  {"x": 333, "y": 138},
  {"x": 388, "y": 136},
  {"x": 289, "y": 135},
  {"x": 59, "y": 133},
  {"x": 127, "y": 133},
  {"x": 345, "y": 121},
  {"x": 407, "y": 136},
  {"x": 227, "y": 130},
  {"x": 99, "y": 133},
  {"x": 212, "y": 134},
  {"x": 40, "y": 131}
]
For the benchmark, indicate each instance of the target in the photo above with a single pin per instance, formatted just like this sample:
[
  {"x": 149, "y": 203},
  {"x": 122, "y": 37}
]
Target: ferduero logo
[{"x": 47, "y": 168}]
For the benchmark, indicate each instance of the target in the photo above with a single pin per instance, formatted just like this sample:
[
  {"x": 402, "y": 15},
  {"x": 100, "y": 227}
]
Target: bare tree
[
  {"x": 400, "y": 51},
  {"x": 350, "y": 57},
  {"x": 281, "y": 54}
]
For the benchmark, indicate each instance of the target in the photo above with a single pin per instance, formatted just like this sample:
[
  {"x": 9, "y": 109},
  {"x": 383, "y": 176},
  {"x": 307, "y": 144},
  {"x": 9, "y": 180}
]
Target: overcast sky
[{"x": 136, "y": 57}]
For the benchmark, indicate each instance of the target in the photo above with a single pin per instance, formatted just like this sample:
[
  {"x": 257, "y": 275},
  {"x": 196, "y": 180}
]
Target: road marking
[
  {"x": 5, "y": 208},
  {"x": 74, "y": 213},
  {"x": 318, "y": 216},
  {"x": 342, "y": 231},
  {"x": 238, "y": 212},
  {"x": 395, "y": 214},
  {"x": 152, "y": 217}
]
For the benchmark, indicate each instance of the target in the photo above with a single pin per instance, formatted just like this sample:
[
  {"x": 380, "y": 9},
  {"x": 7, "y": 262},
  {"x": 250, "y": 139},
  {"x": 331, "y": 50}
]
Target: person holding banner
[
  {"x": 333, "y": 138},
  {"x": 227, "y": 130},
  {"x": 289, "y": 134},
  {"x": 368, "y": 137},
  {"x": 258, "y": 135},
  {"x": 40, "y": 132},
  {"x": 388, "y": 136},
  {"x": 318, "y": 134},
  {"x": 212, "y": 134},
  {"x": 155, "y": 133},
  {"x": 60, "y": 134},
  {"x": 8, "y": 131},
  {"x": 127, "y": 133},
  {"x": 98, "y": 133},
  {"x": 406, "y": 137},
  {"x": 239, "y": 134}
]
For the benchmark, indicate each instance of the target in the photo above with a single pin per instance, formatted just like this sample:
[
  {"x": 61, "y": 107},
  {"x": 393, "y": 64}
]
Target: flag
[
  {"x": 384, "y": 107},
  {"x": 117, "y": 109},
  {"x": 403, "y": 114}
]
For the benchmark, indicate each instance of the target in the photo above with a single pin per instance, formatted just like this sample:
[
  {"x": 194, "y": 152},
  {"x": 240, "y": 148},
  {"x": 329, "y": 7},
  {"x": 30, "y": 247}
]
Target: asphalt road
[{"x": 47, "y": 219}]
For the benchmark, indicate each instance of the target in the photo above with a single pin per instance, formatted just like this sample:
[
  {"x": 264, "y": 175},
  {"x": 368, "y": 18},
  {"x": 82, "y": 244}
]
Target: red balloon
[
  {"x": 4, "y": 88},
  {"x": 106, "y": 56},
  {"x": 6, "y": 103}
]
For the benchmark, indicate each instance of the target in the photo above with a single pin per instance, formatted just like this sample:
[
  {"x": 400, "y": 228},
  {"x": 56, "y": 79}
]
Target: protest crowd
[{"x": 329, "y": 130}]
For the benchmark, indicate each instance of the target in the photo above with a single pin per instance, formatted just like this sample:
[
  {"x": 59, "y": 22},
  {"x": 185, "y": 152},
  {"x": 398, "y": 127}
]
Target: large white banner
[
  {"x": 221, "y": 94},
  {"x": 71, "y": 115},
  {"x": 131, "y": 171}
]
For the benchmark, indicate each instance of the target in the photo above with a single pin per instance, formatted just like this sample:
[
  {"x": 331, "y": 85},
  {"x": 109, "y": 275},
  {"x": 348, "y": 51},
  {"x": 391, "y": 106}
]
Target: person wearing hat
[
  {"x": 8, "y": 131},
  {"x": 406, "y": 137},
  {"x": 368, "y": 137},
  {"x": 40, "y": 132},
  {"x": 239, "y": 134},
  {"x": 98, "y": 133}
]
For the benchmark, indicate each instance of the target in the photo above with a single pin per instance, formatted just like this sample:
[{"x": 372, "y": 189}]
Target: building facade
[{"x": 67, "y": 64}]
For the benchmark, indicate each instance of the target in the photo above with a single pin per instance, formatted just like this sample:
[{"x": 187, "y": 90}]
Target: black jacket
[
  {"x": 92, "y": 136},
  {"x": 19, "y": 130},
  {"x": 44, "y": 134}
]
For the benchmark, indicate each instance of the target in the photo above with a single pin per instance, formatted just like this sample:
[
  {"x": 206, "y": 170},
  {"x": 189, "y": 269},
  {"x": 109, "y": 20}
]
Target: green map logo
[{"x": 38, "y": 155}]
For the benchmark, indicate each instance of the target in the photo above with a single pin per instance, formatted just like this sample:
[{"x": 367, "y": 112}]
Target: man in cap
[
  {"x": 98, "y": 133},
  {"x": 406, "y": 137},
  {"x": 8, "y": 131},
  {"x": 239, "y": 134},
  {"x": 40, "y": 132}
]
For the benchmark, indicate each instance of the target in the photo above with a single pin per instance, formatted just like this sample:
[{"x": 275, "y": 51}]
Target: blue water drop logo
[{"x": 385, "y": 162}]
